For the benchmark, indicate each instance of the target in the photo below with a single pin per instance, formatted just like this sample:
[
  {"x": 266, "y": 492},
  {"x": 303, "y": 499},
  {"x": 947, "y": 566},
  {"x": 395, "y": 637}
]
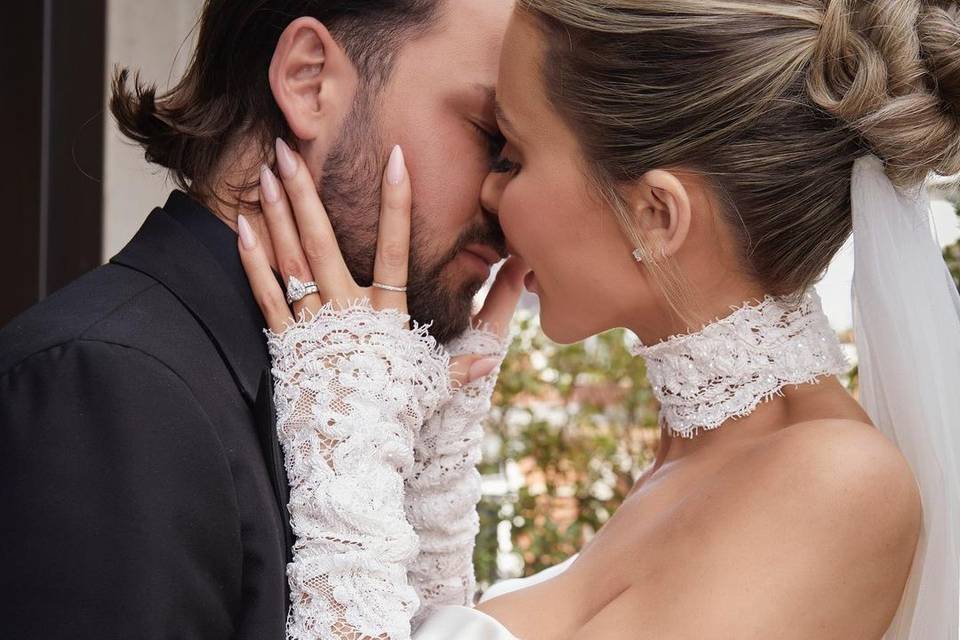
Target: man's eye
[{"x": 495, "y": 141}]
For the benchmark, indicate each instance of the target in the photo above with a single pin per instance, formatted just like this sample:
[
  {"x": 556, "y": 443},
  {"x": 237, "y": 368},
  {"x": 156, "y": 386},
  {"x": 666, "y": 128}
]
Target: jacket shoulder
[{"x": 71, "y": 312}]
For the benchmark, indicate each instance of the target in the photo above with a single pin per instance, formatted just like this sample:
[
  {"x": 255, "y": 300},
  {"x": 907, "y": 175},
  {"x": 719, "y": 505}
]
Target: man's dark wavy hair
[{"x": 225, "y": 91}]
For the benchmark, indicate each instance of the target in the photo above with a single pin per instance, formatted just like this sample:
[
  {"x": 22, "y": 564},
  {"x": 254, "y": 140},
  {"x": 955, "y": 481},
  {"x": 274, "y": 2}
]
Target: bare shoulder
[
  {"x": 817, "y": 527},
  {"x": 842, "y": 486},
  {"x": 849, "y": 467},
  {"x": 817, "y": 474}
]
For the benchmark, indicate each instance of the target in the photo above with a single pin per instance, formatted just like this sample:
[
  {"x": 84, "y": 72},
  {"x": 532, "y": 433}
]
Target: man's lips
[{"x": 485, "y": 252}]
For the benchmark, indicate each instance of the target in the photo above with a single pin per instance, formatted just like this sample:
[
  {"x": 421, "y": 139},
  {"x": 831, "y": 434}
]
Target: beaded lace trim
[{"x": 731, "y": 365}]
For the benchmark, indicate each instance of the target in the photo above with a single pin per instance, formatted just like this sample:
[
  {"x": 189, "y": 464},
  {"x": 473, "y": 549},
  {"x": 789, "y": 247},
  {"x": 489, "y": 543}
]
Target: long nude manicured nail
[
  {"x": 395, "y": 167},
  {"x": 269, "y": 184},
  {"x": 482, "y": 367},
  {"x": 285, "y": 160},
  {"x": 247, "y": 237}
]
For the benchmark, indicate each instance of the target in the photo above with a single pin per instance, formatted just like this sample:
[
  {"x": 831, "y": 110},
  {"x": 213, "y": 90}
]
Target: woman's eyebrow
[{"x": 502, "y": 120}]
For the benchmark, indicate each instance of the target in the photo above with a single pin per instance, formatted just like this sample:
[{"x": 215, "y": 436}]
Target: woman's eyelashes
[
  {"x": 504, "y": 165},
  {"x": 496, "y": 142},
  {"x": 494, "y": 139}
]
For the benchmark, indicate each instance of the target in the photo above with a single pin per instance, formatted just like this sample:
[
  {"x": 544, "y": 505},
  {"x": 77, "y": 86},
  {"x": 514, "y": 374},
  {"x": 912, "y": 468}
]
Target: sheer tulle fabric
[{"x": 907, "y": 327}]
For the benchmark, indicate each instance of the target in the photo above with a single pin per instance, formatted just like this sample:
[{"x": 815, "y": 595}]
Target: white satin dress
[{"x": 465, "y": 623}]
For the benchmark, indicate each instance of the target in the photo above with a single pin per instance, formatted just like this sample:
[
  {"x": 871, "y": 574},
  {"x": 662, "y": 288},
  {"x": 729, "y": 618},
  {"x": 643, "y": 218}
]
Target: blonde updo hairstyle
[{"x": 771, "y": 101}]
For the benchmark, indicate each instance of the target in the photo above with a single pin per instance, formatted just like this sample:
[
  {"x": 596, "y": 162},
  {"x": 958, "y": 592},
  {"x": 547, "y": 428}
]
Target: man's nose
[{"x": 491, "y": 191}]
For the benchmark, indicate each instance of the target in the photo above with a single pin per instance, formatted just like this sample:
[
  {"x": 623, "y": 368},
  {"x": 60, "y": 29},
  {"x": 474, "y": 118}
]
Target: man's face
[{"x": 438, "y": 105}]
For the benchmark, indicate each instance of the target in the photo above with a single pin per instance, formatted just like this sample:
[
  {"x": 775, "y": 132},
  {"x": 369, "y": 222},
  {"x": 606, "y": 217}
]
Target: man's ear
[
  {"x": 661, "y": 207},
  {"x": 312, "y": 79}
]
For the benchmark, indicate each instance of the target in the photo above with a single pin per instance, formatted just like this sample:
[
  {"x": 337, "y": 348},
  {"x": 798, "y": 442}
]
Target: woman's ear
[
  {"x": 661, "y": 207},
  {"x": 312, "y": 79}
]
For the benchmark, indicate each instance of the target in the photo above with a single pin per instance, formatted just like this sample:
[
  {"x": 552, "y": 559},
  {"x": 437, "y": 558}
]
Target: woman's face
[{"x": 582, "y": 268}]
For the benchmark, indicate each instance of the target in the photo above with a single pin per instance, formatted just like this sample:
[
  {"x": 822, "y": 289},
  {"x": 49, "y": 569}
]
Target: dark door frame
[{"x": 52, "y": 57}]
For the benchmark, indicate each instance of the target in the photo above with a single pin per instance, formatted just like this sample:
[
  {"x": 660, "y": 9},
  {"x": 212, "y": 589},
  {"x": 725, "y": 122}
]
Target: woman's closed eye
[
  {"x": 504, "y": 165},
  {"x": 495, "y": 144},
  {"x": 493, "y": 139}
]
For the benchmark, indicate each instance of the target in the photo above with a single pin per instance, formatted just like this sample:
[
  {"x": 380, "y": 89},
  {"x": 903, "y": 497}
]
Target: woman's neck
[
  {"x": 799, "y": 403},
  {"x": 712, "y": 302}
]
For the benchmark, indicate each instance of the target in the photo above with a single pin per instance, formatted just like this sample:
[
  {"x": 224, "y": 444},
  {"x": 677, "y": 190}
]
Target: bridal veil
[{"x": 906, "y": 313}]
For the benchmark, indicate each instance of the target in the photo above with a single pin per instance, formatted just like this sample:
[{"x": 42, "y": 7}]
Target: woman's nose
[{"x": 491, "y": 191}]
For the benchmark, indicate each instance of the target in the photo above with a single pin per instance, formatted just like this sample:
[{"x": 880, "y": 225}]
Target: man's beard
[{"x": 350, "y": 189}]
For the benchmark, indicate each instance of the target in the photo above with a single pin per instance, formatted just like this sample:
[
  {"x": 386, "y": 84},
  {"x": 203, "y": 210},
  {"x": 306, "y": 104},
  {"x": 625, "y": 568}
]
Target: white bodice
[{"x": 465, "y": 623}]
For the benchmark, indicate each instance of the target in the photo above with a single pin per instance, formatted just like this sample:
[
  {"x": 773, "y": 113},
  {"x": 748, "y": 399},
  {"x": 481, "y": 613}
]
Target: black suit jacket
[{"x": 142, "y": 492}]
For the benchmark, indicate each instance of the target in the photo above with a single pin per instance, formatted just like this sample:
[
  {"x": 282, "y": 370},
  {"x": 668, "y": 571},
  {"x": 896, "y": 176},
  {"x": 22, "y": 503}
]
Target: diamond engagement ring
[
  {"x": 389, "y": 287},
  {"x": 297, "y": 291}
]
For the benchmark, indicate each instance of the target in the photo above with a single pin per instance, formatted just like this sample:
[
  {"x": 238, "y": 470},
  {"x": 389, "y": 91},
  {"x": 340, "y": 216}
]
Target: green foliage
[
  {"x": 951, "y": 255},
  {"x": 575, "y": 425}
]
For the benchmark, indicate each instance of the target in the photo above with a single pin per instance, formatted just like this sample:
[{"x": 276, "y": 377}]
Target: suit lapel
[
  {"x": 169, "y": 253},
  {"x": 266, "y": 417}
]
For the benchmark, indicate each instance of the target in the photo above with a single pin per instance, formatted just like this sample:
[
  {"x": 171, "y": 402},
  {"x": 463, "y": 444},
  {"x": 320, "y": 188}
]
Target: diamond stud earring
[{"x": 638, "y": 254}]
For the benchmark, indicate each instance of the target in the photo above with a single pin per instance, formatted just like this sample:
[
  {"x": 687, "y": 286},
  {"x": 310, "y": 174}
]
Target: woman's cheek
[{"x": 512, "y": 215}]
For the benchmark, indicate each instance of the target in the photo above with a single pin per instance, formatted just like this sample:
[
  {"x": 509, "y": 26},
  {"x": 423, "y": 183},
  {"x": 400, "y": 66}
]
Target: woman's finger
[
  {"x": 393, "y": 237},
  {"x": 287, "y": 250},
  {"x": 320, "y": 247},
  {"x": 266, "y": 290},
  {"x": 501, "y": 301},
  {"x": 467, "y": 368}
]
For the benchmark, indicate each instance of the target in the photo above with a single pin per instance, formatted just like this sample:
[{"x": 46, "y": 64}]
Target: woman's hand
[
  {"x": 495, "y": 316},
  {"x": 305, "y": 247}
]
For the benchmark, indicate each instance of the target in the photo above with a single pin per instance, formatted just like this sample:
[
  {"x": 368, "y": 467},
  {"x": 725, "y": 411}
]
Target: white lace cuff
[
  {"x": 444, "y": 488},
  {"x": 352, "y": 388}
]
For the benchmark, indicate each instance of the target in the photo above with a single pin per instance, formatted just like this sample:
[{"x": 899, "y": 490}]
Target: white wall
[{"x": 146, "y": 36}]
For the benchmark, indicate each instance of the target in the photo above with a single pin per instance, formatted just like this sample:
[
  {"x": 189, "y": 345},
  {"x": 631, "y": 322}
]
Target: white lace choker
[{"x": 731, "y": 365}]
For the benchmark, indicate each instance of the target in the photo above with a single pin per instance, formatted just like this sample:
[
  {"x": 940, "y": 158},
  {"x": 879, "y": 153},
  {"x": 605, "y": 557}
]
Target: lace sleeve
[
  {"x": 352, "y": 388},
  {"x": 444, "y": 488}
]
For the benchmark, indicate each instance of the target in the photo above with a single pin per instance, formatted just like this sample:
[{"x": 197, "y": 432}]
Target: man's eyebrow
[
  {"x": 487, "y": 95},
  {"x": 501, "y": 119}
]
